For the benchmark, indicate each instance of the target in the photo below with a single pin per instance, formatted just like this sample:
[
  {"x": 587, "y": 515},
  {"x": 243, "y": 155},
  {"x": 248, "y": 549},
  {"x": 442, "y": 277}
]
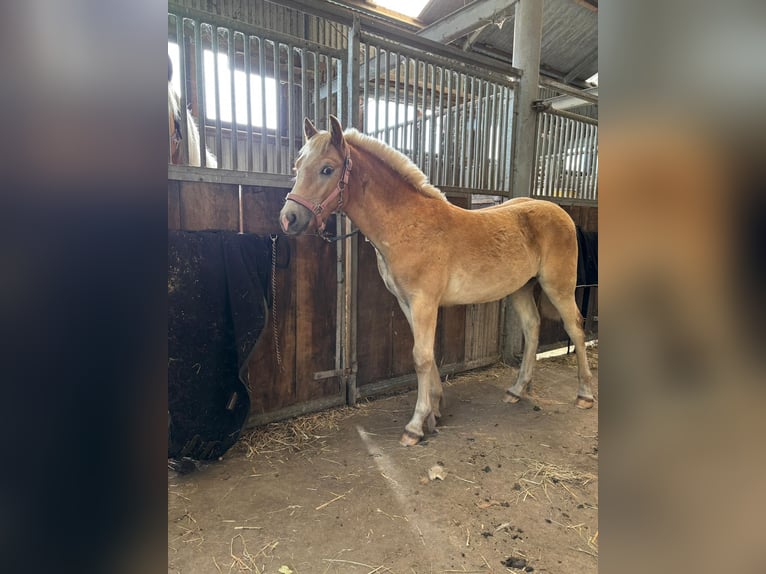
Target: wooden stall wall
[{"x": 306, "y": 301}]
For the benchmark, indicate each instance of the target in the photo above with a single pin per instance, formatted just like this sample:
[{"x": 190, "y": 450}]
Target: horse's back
[{"x": 540, "y": 216}]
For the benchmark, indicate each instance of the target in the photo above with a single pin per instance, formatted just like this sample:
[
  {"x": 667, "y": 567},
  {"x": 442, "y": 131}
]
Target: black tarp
[
  {"x": 587, "y": 264},
  {"x": 218, "y": 292}
]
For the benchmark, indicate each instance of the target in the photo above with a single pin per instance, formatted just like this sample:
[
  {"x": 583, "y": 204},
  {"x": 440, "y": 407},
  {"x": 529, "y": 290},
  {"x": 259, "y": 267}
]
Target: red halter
[{"x": 320, "y": 211}]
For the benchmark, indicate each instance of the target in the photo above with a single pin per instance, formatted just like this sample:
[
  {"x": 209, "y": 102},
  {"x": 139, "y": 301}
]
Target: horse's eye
[{"x": 326, "y": 170}]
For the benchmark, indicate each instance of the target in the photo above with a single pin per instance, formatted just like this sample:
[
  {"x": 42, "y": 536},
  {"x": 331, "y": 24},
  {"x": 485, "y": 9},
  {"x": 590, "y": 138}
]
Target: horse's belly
[{"x": 467, "y": 290}]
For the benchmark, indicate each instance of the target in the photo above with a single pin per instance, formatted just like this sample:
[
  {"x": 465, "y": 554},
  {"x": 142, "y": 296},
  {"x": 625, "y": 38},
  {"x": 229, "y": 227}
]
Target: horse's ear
[
  {"x": 337, "y": 134},
  {"x": 308, "y": 129}
]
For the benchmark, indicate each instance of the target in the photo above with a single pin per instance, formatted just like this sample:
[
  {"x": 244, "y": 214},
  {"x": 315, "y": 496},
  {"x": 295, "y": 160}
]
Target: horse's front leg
[{"x": 423, "y": 316}]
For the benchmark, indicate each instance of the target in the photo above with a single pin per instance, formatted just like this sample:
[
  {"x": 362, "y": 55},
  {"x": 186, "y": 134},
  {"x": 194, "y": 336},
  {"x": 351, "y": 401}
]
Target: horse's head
[{"x": 322, "y": 170}]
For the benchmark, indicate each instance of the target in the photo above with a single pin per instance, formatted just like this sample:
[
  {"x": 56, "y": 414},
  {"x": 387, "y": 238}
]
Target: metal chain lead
[{"x": 275, "y": 331}]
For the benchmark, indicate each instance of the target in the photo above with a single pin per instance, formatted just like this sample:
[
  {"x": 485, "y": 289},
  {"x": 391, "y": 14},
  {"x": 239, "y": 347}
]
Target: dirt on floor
[{"x": 512, "y": 488}]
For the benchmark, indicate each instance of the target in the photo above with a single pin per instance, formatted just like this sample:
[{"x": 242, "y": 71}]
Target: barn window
[{"x": 224, "y": 91}]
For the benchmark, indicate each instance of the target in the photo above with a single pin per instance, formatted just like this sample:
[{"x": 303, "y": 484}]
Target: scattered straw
[
  {"x": 543, "y": 475},
  {"x": 296, "y": 434},
  {"x": 374, "y": 568},
  {"x": 329, "y": 502}
]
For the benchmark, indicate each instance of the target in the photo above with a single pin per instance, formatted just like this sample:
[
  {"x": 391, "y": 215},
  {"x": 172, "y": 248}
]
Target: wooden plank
[
  {"x": 272, "y": 387},
  {"x": 592, "y": 223},
  {"x": 174, "y": 205},
  {"x": 375, "y": 308},
  {"x": 450, "y": 335},
  {"x": 260, "y": 209},
  {"x": 315, "y": 304},
  {"x": 482, "y": 333},
  {"x": 208, "y": 206}
]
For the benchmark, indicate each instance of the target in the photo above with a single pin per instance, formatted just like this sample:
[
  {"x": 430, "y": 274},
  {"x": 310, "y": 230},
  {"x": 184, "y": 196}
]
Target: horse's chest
[{"x": 386, "y": 275}]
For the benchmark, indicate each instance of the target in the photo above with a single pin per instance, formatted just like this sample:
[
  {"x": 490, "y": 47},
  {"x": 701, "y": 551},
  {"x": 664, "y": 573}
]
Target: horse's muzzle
[{"x": 294, "y": 218}]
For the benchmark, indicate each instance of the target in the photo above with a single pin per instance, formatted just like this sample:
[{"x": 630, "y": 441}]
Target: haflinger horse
[
  {"x": 192, "y": 132},
  {"x": 432, "y": 253}
]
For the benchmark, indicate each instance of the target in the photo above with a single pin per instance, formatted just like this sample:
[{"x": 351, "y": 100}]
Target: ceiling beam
[
  {"x": 567, "y": 101},
  {"x": 569, "y": 90},
  {"x": 581, "y": 66},
  {"x": 465, "y": 20}
]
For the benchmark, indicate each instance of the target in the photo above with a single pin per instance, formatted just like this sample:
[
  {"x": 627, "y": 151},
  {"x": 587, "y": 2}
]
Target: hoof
[
  {"x": 584, "y": 403},
  {"x": 511, "y": 398},
  {"x": 409, "y": 438}
]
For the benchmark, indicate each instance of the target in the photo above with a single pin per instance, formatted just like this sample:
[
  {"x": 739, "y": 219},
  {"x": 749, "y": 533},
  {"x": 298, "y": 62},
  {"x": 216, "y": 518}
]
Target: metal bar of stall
[
  {"x": 342, "y": 95},
  {"x": 418, "y": 116},
  {"x": 233, "y": 96},
  {"x": 483, "y": 135},
  {"x": 579, "y": 161},
  {"x": 587, "y": 160},
  {"x": 551, "y": 167},
  {"x": 485, "y": 128},
  {"x": 440, "y": 132},
  {"x": 447, "y": 126},
  {"x": 366, "y": 89},
  {"x": 558, "y": 128},
  {"x": 432, "y": 126},
  {"x": 264, "y": 131},
  {"x": 201, "y": 107},
  {"x": 476, "y": 134},
  {"x": 463, "y": 155},
  {"x": 561, "y": 127},
  {"x": 495, "y": 127},
  {"x": 454, "y": 152},
  {"x": 386, "y": 123},
  {"x": 576, "y": 171},
  {"x": 317, "y": 83},
  {"x": 564, "y": 158},
  {"x": 278, "y": 95},
  {"x": 593, "y": 155},
  {"x": 304, "y": 91},
  {"x": 248, "y": 54},
  {"x": 548, "y": 152},
  {"x": 217, "y": 92},
  {"x": 505, "y": 143},
  {"x": 468, "y": 181},
  {"x": 582, "y": 152},
  {"x": 405, "y": 138},
  {"x": 538, "y": 160},
  {"x": 328, "y": 101},
  {"x": 290, "y": 107},
  {"x": 377, "y": 92},
  {"x": 546, "y": 135},
  {"x": 396, "y": 143}
]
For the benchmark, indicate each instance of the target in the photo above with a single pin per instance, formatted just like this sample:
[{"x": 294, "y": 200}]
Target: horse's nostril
[{"x": 291, "y": 217}]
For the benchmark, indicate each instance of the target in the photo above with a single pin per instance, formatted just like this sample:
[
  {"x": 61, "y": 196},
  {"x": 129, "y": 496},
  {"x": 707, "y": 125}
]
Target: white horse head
[{"x": 174, "y": 129}]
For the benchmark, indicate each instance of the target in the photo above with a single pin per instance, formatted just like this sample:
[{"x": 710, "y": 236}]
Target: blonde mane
[{"x": 399, "y": 162}]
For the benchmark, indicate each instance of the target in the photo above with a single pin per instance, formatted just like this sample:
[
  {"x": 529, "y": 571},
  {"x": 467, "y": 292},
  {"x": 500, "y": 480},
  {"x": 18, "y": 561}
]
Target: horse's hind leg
[
  {"x": 570, "y": 314},
  {"x": 524, "y": 304}
]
